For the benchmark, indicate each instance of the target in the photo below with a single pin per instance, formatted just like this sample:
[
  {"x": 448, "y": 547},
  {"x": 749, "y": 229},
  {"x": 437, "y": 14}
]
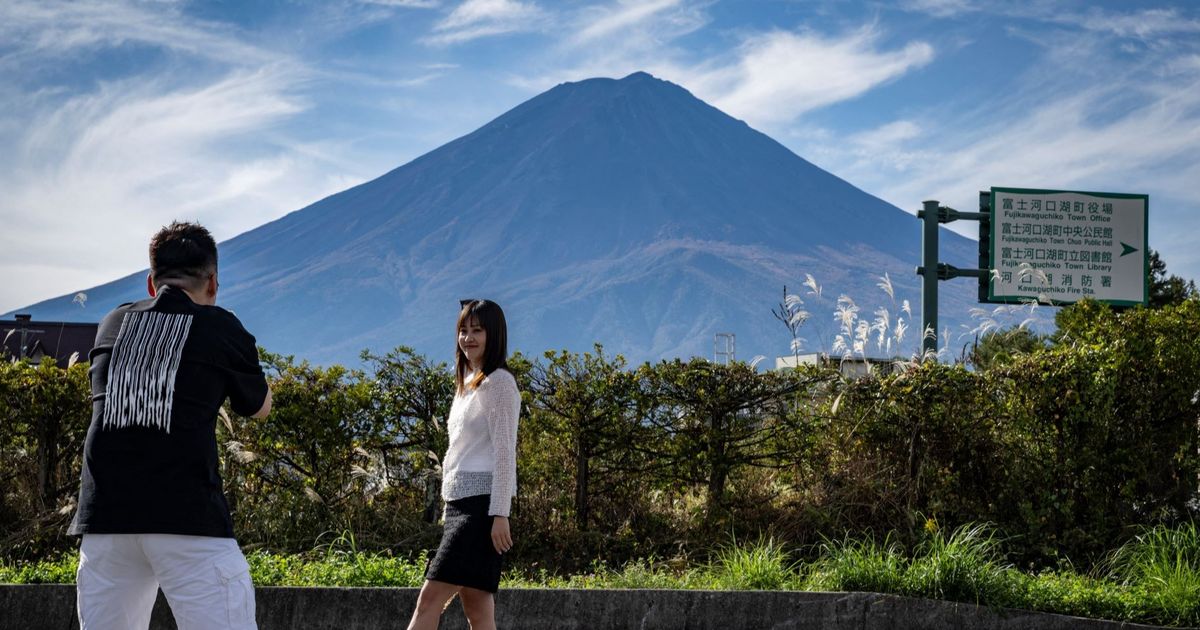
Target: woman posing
[{"x": 479, "y": 474}]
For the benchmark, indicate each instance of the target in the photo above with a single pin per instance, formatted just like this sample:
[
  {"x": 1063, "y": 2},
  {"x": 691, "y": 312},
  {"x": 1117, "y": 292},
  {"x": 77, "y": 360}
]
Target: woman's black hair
[{"x": 495, "y": 350}]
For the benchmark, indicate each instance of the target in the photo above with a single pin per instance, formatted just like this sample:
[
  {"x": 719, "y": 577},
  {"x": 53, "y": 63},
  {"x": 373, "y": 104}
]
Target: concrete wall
[{"x": 53, "y": 607}]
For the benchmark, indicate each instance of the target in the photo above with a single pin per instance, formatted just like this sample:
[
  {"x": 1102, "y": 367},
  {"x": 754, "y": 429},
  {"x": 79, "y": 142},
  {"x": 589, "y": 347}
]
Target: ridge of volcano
[{"x": 625, "y": 212}]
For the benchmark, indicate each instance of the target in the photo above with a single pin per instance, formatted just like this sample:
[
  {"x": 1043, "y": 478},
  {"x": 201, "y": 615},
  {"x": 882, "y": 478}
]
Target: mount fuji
[{"x": 626, "y": 212}]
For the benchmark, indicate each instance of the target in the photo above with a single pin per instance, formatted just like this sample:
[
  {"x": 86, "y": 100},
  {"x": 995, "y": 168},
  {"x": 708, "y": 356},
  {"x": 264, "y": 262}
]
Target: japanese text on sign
[{"x": 1065, "y": 246}]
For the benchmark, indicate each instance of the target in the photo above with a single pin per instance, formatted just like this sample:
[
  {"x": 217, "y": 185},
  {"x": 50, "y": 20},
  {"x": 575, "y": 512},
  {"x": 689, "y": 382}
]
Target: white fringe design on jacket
[{"x": 141, "y": 370}]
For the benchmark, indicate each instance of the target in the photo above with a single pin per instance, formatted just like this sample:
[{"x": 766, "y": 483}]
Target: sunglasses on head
[{"x": 466, "y": 302}]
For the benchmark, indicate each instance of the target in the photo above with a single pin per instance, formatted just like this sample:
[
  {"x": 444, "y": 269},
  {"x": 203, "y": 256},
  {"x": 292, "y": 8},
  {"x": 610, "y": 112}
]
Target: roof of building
[{"x": 32, "y": 339}]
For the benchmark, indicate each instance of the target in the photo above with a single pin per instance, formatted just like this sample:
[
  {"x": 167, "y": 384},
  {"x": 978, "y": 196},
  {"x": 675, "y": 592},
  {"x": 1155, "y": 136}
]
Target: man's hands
[{"x": 501, "y": 537}]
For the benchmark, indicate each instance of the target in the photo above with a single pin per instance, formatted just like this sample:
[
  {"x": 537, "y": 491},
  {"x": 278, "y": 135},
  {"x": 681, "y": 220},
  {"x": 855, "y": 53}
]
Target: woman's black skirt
[{"x": 466, "y": 556}]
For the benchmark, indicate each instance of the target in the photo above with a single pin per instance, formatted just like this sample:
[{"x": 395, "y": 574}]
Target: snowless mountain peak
[{"x": 621, "y": 211}]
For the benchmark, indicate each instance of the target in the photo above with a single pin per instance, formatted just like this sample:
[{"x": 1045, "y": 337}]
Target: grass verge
[{"x": 1155, "y": 578}]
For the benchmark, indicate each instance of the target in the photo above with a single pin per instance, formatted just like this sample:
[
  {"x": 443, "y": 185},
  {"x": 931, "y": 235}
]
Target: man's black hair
[{"x": 182, "y": 254}]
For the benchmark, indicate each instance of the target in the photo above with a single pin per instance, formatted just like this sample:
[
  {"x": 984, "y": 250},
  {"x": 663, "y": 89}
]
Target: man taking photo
[{"x": 152, "y": 512}]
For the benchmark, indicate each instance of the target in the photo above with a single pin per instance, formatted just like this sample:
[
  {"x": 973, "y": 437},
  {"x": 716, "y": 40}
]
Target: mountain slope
[{"x": 621, "y": 211}]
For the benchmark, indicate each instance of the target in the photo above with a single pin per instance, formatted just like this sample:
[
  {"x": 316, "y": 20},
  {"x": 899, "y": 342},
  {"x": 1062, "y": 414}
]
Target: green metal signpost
[
  {"x": 1050, "y": 246},
  {"x": 932, "y": 271}
]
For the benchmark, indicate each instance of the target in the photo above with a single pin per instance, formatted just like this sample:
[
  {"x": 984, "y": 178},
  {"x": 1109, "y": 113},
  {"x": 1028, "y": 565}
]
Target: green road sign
[{"x": 1063, "y": 246}]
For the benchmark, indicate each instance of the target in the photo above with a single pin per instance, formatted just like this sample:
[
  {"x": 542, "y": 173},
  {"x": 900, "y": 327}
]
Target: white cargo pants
[{"x": 205, "y": 580}]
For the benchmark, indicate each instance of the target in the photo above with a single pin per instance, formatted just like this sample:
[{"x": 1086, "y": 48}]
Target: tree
[
  {"x": 1116, "y": 402},
  {"x": 413, "y": 397},
  {"x": 1000, "y": 346},
  {"x": 308, "y": 460},
  {"x": 589, "y": 396},
  {"x": 717, "y": 418},
  {"x": 1167, "y": 290}
]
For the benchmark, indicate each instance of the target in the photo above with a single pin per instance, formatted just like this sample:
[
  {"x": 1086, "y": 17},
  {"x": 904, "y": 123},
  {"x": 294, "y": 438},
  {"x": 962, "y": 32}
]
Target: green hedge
[{"x": 1068, "y": 449}]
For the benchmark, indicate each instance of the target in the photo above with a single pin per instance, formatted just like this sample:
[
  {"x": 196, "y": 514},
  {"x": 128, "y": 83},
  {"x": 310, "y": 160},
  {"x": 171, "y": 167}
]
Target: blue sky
[{"x": 117, "y": 117}]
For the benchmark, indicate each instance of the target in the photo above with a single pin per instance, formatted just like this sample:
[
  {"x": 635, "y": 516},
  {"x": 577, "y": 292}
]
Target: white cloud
[
  {"x": 472, "y": 12},
  {"x": 407, "y": 4},
  {"x": 939, "y": 8},
  {"x": 781, "y": 75},
  {"x": 891, "y": 144},
  {"x": 474, "y": 19},
  {"x": 616, "y": 39},
  {"x": 39, "y": 29},
  {"x": 91, "y": 168},
  {"x": 769, "y": 78},
  {"x": 1093, "y": 112},
  {"x": 93, "y": 178},
  {"x": 887, "y": 136},
  {"x": 625, "y": 14},
  {"x": 1071, "y": 142},
  {"x": 1142, "y": 24}
]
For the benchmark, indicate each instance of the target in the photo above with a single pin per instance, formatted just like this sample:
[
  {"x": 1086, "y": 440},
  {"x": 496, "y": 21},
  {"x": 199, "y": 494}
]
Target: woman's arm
[{"x": 503, "y": 407}]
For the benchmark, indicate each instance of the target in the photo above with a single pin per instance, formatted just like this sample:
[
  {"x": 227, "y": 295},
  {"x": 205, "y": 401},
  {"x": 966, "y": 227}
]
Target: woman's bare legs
[
  {"x": 480, "y": 608},
  {"x": 430, "y": 603}
]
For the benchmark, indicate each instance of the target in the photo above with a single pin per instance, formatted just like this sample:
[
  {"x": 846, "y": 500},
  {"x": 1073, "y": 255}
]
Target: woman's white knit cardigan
[{"x": 482, "y": 458}]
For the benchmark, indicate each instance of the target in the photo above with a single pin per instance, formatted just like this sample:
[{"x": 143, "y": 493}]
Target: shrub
[
  {"x": 1068, "y": 450},
  {"x": 44, "y": 416}
]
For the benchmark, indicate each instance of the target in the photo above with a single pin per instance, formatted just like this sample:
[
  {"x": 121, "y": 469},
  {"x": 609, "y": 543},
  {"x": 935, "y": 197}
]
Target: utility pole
[{"x": 25, "y": 332}]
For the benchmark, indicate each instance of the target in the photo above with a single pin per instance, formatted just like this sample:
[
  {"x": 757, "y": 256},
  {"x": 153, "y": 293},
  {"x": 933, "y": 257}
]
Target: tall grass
[
  {"x": 965, "y": 566},
  {"x": 763, "y": 566},
  {"x": 1164, "y": 564},
  {"x": 1154, "y": 578},
  {"x": 887, "y": 330},
  {"x": 858, "y": 565}
]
